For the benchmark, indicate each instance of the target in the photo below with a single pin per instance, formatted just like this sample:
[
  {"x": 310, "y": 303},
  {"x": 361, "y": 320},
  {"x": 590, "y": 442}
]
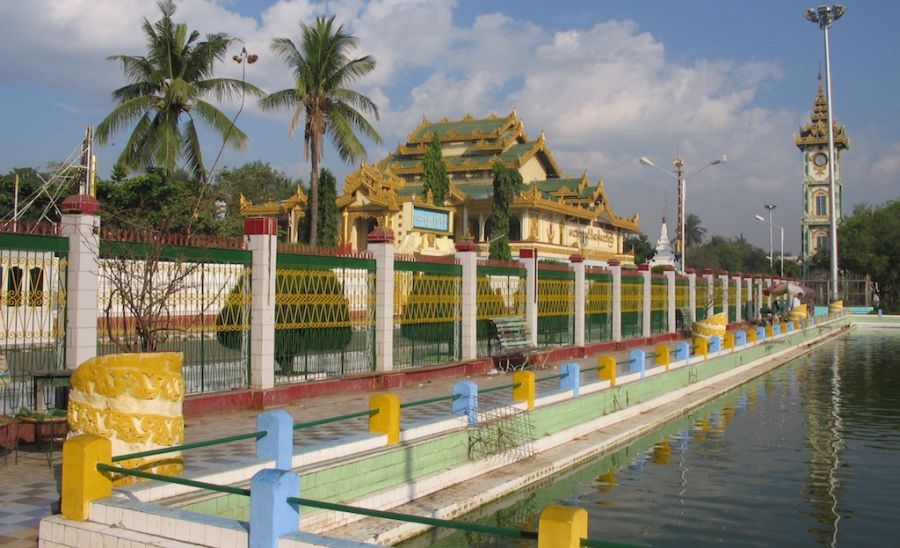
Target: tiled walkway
[{"x": 29, "y": 490}]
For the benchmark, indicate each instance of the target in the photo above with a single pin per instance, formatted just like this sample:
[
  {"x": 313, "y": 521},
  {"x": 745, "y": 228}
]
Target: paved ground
[{"x": 29, "y": 489}]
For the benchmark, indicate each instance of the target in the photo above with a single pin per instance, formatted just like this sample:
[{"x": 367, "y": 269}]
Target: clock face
[{"x": 820, "y": 159}]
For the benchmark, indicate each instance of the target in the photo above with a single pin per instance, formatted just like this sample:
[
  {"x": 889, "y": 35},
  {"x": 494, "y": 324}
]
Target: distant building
[
  {"x": 813, "y": 142},
  {"x": 556, "y": 214}
]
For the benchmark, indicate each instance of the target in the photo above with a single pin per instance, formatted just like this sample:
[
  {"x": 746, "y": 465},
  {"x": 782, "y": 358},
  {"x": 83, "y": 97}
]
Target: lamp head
[
  {"x": 759, "y": 218},
  {"x": 720, "y": 160},
  {"x": 646, "y": 161},
  {"x": 811, "y": 15},
  {"x": 838, "y": 11}
]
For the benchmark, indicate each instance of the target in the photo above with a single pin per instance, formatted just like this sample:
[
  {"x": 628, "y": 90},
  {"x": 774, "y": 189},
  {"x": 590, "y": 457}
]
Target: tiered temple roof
[{"x": 816, "y": 131}]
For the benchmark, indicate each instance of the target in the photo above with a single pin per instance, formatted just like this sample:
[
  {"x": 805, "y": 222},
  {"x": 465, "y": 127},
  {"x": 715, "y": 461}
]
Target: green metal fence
[
  {"x": 598, "y": 306},
  {"x": 703, "y": 302},
  {"x": 500, "y": 293},
  {"x": 659, "y": 304},
  {"x": 324, "y": 316},
  {"x": 427, "y": 312},
  {"x": 632, "y": 306},
  {"x": 184, "y": 298},
  {"x": 33, "y": 270},
  {"x": 556, "y": 305}
]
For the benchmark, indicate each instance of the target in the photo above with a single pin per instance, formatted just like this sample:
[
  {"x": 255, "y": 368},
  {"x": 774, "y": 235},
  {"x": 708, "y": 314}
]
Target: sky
[{"x": 607, "y": 81}]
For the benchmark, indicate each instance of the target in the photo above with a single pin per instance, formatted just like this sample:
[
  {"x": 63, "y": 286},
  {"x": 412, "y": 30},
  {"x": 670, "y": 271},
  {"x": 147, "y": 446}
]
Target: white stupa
[{"x": 663, "y": 254}]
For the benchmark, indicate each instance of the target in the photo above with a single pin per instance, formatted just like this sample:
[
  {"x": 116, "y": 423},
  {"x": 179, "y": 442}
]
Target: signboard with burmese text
[{"x": 431, "y": 219}]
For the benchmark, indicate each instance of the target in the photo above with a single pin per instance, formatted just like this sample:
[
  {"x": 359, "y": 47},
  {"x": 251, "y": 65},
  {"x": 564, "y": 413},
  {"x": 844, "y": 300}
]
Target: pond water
[{"x": 807, "y": 455}]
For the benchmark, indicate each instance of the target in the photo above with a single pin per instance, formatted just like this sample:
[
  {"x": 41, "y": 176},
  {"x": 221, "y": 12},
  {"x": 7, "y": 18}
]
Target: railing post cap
[
  {"x": 613, "y": 262},
  {"x": 526, "y": 253},
  {"x": 669, "y": 268},
  {"x": 644, "y": 267},
  {"x": 264, "y": 226},
  {"x": 80, "y": 204},
  {"x": 707, "y": 271},
  {"x": 576, "y": 258},
  {"x": 689, "y": 270},
  {"x": 380, "y": 236},
  {"x": 737, "y": 274},
  {"x": 465, "y": 245},
  {"x": 723, "y": 273}
]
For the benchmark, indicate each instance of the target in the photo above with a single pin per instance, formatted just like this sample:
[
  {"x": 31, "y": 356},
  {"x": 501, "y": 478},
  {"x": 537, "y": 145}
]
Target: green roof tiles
[{"x": 465, "y": 127}]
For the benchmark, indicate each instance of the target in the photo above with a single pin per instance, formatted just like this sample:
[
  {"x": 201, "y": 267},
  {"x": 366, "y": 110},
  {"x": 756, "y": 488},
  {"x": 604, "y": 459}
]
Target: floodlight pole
[{"x": 825, "y": 16}]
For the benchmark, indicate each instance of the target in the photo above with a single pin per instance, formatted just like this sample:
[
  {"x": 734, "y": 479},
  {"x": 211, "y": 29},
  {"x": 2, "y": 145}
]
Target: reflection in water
[{"x": 808, "y": 455}]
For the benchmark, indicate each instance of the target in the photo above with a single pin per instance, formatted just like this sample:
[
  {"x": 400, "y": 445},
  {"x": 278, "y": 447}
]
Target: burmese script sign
[
  {"x": 430, "y": 219},
  {"x": 592, "y": 237}
]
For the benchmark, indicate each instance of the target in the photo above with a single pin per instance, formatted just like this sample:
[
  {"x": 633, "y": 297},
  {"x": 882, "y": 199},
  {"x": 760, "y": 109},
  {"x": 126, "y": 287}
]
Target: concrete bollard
[
  {"x": 728, "y": 341},
  {"x": 638, "y": 361},
  {"x": 752, "y": 335},
  {"x": 790, "y": 326},
  {"x": 770, "y": 331},
  {"x": 682, "y": 351},
  {"x": 776, "y": 329},
  {"x": 81, "y": 481},
  {"x": 715, "y": 344},
  {"x": 701, "y": 347},
  {"x": 387, "y": 419},
  {"x": 270, "y": 514},
  {"x": 607, "y": 369},
  {"x": 662, "y": 356},
  {"x": 525, "y": 389},
  {"x": 278, "y": 443},
  {"x": 467, "y": 402},
  {"x": 562, "y": 527},
  {"x": 740, "y": 338},
  {"x": 571, "y": 378}
]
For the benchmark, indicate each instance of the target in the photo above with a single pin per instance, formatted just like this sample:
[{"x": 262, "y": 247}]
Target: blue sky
[{"x": 607, "y": 81}]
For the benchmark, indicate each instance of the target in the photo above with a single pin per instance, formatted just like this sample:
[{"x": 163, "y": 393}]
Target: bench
[{"x": 514, "y": 351}]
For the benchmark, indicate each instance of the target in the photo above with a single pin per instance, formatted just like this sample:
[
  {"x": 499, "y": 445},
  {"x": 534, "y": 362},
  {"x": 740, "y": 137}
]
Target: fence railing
[{"x": 427, "y": 313}]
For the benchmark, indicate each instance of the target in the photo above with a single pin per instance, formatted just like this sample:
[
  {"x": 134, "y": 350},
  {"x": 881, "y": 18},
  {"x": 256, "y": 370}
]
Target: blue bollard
[
  {"x": 467, "y": 402},
  {"x": 639, "y": 361},
  {"x": 278, "y": 443},
  {"x": 740, "y": 338},
  {"x": 776, "y": 329},
  {"x": 715, "y": 344},
  {"x": 760, "y": 334},
  {"x": 571, "y": 378},
  {"x": 682, "y": 351},
  {"x": 790, "y": 326},
  {"x": 270, "y": 514}
]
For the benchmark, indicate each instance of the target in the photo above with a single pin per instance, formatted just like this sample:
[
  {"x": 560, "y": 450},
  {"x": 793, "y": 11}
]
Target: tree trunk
[{"x": 314, "y": 194}]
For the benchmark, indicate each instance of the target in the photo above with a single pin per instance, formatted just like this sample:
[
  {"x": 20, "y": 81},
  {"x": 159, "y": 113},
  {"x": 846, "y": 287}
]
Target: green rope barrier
[
  {"x": 501, "y": 387},
  {"x": 174, "y": 479},
  {"x": 585, "y": 370},
  {"x": 195, "y": 445},
  {"x": 551, "y": 377},
  {"x": 632, "y": 360},
  {"x": 434, "y": 522},
  {"x": 432, "y": 400},
  {"x": 319, "y": 422},
  {"x": 591, "y": 543}
]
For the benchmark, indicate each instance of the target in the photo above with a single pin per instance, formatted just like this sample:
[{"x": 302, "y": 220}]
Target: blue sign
[{"x": 429, "y": 219}]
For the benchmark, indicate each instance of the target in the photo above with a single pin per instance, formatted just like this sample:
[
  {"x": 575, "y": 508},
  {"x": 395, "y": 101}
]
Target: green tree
[
  {"x": 328, "y": 210},
  {"x": 435, "y": 177},
  {"x": 693, "y": 231},
  {"x": 869, "y": 243},
  {"x": 640, "y": 246},
  {"x": 256, "y": 181},
  {"x": 507, "y": 184},
  {"x": 166, "y": 97},
  {"x": 322, "y": 71},
  {"x": 30, "y": 183},
  {"x": 153, "y": 201}
]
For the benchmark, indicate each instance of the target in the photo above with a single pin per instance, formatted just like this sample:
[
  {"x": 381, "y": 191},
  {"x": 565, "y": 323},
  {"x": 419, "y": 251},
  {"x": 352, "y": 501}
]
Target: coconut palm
[
  {"x": 322, "y": 70},
  {"x": 693, "y": 232},
  {"x": 165, "y": 97}
]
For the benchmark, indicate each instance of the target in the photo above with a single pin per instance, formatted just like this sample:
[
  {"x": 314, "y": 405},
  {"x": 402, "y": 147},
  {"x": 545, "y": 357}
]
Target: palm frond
[
  {"x": 221, "y": 124},
  {"x": 286, "y": 98},
  {"x": 222, "y": 88},
  {"x": 191, "y": 151},
  {"x": 124, "y": 114}
]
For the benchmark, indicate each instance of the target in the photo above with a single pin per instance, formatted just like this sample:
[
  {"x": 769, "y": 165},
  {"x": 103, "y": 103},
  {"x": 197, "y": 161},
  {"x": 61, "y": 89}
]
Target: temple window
[{"x": 821, "y": 205}]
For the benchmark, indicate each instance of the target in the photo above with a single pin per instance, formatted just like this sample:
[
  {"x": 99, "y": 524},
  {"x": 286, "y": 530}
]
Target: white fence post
[
  {"x": 81, "y": 225},
  {"x": 528, "y": 258},
  {"x": 261, "y": 234},
  {"x": 381, "y": 244},
  {"x": 647, "y": 305},
  {"x": 580, "y": 297},
  {"x": 616, "y": 268},
  {"x": 692, "y": 294},
  {"x": 737, "y": 296},
  {"x": 670, "y": 279},
  {"x": 465, "y": 252}
]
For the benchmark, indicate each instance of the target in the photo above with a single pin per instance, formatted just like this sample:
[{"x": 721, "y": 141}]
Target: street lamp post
[
  {"x": 825, "y": 16},
  {"x": 781, "y": 246},
  {"x": 678, "y": 162}
]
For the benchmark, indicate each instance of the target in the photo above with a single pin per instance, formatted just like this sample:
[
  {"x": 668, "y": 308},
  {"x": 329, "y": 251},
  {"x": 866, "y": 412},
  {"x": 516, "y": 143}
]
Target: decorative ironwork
[
  {"x": 556, "y": 310},
  {"x": 32, "y": 323},
  {"x": 427, "y": 315},
  {"x": 497, "y": 296},
  {"x": 659, "y": 306},
  {"x": 598, "y": 308},
  {"x": 632, "y": 306}
]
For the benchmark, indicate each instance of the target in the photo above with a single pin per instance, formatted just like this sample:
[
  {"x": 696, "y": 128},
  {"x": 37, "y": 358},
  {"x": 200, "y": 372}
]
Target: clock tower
[{"x": 813, "y": 142}]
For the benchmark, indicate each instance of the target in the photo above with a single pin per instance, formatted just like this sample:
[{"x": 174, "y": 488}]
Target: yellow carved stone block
[
  {"x": 135, "y": 401},
  {"x": 562, "y": 527}
]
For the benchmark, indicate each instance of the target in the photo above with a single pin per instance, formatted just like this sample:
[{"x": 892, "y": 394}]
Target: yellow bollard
[
  {"x": 751, "y": 336},
  {"x": 525, "y": 390},
  {"x": 81, "y": 482},
  {"x": 662, "y": 355},
  {"x": 701, "y": 347},
  {"x": 770, "y": 331},
  {"x": 387, "y": 420},
  {"x": 728, "y": 340},
  {"x": 783, "y": 328},
  {"x": 607, "y": 371},
  {"x": 562, "y": 527}
]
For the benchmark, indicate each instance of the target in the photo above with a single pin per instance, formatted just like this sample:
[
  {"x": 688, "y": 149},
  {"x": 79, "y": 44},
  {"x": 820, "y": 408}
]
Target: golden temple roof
[{"x": 816, "y": 131}]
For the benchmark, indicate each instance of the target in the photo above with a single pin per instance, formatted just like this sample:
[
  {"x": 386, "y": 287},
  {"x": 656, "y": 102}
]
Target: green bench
[{"x": 513, "y": 350}]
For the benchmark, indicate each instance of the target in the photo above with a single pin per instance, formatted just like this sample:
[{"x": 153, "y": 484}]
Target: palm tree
[
  {"x": 167, "y": 85},
  {"x": 322, "y": 71},
  {"x": 693, "y": 232}
]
